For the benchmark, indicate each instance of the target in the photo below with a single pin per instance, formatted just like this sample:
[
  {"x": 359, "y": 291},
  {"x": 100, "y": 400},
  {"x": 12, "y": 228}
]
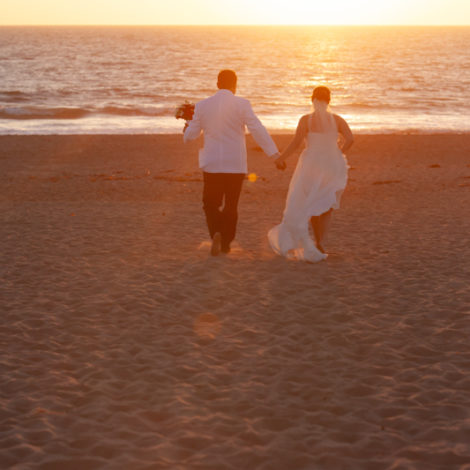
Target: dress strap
[
  {"x": 333, "y": 122},
  {"x": 310, "y": 122}
]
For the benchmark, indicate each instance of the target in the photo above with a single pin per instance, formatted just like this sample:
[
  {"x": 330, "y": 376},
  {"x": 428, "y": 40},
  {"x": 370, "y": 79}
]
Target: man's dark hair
[{"x": 227, "y": 79}]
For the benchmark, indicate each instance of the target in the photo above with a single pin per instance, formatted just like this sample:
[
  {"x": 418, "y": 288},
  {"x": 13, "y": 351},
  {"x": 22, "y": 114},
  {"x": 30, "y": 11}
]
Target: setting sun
[{"x": 274, "y": 12}]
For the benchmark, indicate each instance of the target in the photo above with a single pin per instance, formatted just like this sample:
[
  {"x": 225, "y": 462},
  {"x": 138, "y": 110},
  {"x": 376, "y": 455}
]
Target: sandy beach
[{"x": 126, "y": 346}]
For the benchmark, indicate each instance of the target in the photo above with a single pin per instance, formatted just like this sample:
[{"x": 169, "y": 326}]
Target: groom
[{"x": 223, "y": 159}]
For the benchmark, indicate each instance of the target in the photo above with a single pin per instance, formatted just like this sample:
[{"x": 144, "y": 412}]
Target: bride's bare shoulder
[
  {"x": 338, "y": 118},
  {"x": 302, "y": 126},
  {"x": 303, "y": 121},
  {"x": 340, "y": 122}
]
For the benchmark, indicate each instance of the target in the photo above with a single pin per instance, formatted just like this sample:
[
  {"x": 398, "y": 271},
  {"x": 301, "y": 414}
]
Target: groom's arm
[
  {"x": 194, "y": 126},
  {"x": 258, "y": 131}
]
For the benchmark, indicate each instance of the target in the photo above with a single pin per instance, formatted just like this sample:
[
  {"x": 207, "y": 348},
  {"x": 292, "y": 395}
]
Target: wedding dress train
[{"x": 316, "y": 187}]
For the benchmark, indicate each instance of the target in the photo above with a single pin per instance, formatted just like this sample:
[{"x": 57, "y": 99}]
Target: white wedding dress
[{"x": 316, "y": 187}]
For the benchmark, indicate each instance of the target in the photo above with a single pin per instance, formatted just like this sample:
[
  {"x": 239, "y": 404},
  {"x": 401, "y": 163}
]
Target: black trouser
[{"x": 218, "y": 188}]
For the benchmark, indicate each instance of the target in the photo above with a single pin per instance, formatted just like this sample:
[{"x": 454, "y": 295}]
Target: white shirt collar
[{"x": 224, "y": 90}]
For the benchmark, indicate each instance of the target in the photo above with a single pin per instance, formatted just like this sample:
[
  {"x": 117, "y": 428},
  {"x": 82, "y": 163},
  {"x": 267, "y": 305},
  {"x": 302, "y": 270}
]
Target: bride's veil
[{"x": 323, "y": 120}]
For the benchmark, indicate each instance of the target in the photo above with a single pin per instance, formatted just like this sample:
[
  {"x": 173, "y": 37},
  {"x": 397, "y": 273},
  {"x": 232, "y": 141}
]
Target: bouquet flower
[{"x": 185, "y": 111}]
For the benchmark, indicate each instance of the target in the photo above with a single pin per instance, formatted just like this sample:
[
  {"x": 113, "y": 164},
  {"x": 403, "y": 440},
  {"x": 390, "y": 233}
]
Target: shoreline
[
  {"x": 271, "y": 132},
  {"x": 275, "y": 132}
]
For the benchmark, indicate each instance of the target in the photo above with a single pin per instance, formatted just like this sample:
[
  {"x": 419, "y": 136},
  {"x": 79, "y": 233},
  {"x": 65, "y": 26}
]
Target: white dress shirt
[{"x": 223, "y": 117}]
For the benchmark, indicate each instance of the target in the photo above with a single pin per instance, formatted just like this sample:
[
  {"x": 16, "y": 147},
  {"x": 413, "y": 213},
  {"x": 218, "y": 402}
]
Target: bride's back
[{"x": 321, "y": 121}]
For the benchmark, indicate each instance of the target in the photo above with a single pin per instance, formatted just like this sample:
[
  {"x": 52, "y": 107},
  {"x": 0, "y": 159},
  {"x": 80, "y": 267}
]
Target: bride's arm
[
  {"x": 345, "y": 131},
  {"x": 300, "y": 133}
]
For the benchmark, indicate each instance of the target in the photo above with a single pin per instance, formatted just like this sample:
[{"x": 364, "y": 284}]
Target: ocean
[{"x": 129, "y": 80}]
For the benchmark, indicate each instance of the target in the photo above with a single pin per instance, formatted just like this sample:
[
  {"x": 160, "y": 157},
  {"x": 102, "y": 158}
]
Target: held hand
[{"x": 280, "y": 164}]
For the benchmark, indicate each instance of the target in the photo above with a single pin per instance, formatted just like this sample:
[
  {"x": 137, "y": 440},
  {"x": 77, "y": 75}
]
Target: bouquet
[{"x": 185, "y": 111}]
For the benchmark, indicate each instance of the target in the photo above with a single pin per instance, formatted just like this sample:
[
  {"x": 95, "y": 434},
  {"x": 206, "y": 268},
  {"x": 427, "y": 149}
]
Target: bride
[{"x": 317, "y": 183}]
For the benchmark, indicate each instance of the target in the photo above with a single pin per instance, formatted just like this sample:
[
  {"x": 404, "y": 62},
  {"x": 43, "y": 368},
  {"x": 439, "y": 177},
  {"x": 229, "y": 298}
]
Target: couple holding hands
[{"x": 316, "y": 185}]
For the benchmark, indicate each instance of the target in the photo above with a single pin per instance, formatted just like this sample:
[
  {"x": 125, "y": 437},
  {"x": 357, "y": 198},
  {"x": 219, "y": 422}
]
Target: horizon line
[{"x": 233, "y": 25}]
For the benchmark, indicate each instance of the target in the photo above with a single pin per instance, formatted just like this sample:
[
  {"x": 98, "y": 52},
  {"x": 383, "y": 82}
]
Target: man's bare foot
[{"x": 216, "y": 241}]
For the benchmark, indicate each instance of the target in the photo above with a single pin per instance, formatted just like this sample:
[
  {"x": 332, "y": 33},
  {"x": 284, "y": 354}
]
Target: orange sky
[{"x": 415, "y": 12}]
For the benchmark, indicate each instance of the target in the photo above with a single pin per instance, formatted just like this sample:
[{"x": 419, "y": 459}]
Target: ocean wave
[
  {"x": 373, "y": 105},
  {"x": 14, "y": 96},
  {"x": 135, "y": 111},
  {"x": 36, "y": 112},
  {"x": 28, "y": 112}
]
